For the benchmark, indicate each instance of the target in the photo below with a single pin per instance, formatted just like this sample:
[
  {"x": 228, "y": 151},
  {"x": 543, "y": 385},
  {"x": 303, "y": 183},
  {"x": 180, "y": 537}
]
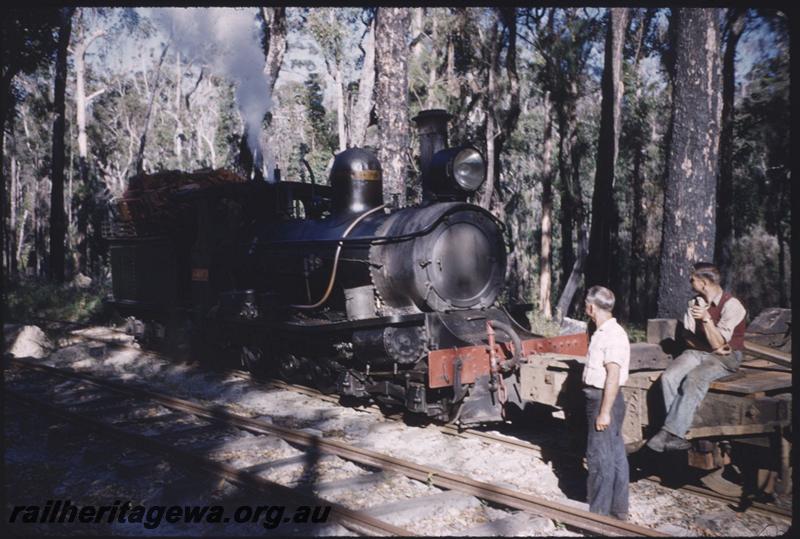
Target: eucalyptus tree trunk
[
  {"x": 178, "y": 125},
  {"x": 638, "y": 265},
  {"x": 143, "y": 136},
  {"x": 10, "y": 232},
  {"x": 567, "y": 121},
  {"x": 638, "y": 238},
  {"x": 335, "y": 70},
  {"x": 82, "y": 101},
  {"x": 566, "y": 300},
  {"x": 604, "y": 213},
  {"x": 491, "y": 97},
  {"x": 57, "y": 215},
  {"x": 391, "y": 99},
  {"x": 432, "y": 99},
  {"x": 545, "y": 254},
  {"x": 274, "y": 41},
  {"x": 340, "y": 107},
  {"x": 366, "y": 87},
  {"x": 5, "y": 235},
  {"x": 690, "y": 197},
  {"x": 450, "y": 77},
  {"x": 734, "y": 25},
  {"x": 417, "y": 33},
  {"x": 500, "y": 123}
]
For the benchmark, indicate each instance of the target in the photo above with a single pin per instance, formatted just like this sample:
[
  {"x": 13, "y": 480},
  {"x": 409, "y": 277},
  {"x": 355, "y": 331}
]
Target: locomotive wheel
[
  {"x": 252, "y": 360},
  {"x": 324, "y": 376},
  {"x": 289, "y": 367},
  {"x": 178, "y": 337}
]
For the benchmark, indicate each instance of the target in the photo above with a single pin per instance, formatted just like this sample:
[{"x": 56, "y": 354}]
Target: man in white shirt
[
  {"x": 605, "y": 371},
  {"x": 715, "y": 324}
]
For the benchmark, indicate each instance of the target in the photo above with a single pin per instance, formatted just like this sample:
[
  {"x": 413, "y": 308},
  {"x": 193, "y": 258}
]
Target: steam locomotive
[
  {"x": 331, "y": 286},
  {"x": 327, "y": 282}
]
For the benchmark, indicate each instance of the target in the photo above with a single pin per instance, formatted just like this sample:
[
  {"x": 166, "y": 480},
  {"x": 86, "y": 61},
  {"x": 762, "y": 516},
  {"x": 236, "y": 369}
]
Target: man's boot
[
  {"x": 676, "y": 443},
  {"x": 656, "y": 443},
  {"x": 666, "y": 441}
]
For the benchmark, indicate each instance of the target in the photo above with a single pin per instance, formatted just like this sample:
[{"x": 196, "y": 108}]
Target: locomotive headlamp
[
  {"x": 454, "y": 173},
  {"x": 469, "y": 169}
]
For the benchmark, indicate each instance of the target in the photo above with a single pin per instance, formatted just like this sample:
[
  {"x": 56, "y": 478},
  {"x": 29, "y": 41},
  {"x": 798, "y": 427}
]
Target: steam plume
[{"x": 225, "y": 39}]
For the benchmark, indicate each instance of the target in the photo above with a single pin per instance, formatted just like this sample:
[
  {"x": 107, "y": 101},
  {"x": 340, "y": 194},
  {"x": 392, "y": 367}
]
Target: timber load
[{"x": 148, "y": 206}]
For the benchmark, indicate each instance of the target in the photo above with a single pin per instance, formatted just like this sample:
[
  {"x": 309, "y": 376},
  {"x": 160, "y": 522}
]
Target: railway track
[
  {"x": 528, "y": 447},
  {"x": 116, "y": 397},
  {"x": 507, "y": 441}
]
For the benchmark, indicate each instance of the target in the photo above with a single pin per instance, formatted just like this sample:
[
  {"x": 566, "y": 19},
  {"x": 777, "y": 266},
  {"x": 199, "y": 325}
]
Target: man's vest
[{"x": 715, "y": 312}]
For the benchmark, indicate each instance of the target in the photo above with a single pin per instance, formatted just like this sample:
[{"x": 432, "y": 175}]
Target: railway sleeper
[
  {"x": 518, "y": 524},
  {"x": 404, "y": 512}
]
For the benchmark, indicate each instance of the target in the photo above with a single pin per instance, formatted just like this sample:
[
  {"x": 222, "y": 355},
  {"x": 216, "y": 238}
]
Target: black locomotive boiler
[{"x": 326, "y": 283}]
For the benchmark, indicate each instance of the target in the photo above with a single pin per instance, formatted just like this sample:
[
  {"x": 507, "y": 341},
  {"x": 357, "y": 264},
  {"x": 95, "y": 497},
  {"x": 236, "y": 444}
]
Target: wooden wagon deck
[{"x": 754, "y": 381}]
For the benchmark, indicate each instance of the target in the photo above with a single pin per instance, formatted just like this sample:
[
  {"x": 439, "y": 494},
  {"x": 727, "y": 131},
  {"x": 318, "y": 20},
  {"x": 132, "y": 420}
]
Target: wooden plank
[
  {"x": 733, "y": 430},
  {"x": 418, "y": 508},
  {"x": 763, "y": 364},
  {"x": 171, "y": 416},
  {"x": 754, "y": 382},
  {"x": 241, "y": 444},
  {"x": 520, "y": 524},
  {"x": 661, "y": 329},
  {"x": 366, "y": 480},
  {"x": 187, "y": 434},
  {"x": 768, "y": 353},
  {"x": 288, "y": 461},
  {"x": 733, "y": 411},
  {"x": 646, "y": 356}
]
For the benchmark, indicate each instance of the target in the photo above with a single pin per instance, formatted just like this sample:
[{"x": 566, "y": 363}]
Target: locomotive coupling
[{"x": 516, "y": 352}]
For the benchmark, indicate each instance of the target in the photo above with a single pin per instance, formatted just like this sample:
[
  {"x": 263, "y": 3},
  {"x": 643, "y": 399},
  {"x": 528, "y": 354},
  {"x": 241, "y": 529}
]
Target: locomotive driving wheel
[
  {"x": 252, "y": 359},
  {"x": 289, "y": 367}
]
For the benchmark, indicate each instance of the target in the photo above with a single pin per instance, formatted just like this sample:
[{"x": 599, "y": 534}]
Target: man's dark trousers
[{"x": 607, "y": 485}]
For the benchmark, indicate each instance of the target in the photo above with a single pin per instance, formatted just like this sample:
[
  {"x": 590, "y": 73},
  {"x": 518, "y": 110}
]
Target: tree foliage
[{"x": 523, "y": 85}]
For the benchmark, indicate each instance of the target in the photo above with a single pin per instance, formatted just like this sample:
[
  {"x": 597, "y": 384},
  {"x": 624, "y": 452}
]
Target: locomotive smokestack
[{"x": 432, "y": 130}]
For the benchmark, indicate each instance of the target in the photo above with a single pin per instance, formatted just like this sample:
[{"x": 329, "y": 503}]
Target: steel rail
[
  {"x": 353, "y": 520},
  {"x": 570, "y": 516}
]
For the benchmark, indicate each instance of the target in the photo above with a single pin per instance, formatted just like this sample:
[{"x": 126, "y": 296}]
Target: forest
[{"x": 623, "y": 144}]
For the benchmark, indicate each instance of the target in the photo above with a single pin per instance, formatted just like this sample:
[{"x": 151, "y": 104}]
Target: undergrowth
[
  {"x": 637, "y": 331},
  {"x": 31, "y": 299}
]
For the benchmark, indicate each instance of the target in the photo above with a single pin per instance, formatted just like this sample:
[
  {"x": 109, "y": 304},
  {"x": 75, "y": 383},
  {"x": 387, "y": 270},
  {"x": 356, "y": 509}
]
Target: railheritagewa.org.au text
[{"x": 151, "y": 517}]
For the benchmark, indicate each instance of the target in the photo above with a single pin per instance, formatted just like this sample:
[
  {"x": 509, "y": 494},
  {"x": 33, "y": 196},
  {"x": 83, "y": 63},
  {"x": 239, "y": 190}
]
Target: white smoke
[{"x": 226, "y": 40}]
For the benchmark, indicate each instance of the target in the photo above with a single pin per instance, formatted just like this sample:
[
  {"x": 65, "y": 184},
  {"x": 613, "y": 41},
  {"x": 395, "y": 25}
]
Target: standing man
[
  {"x": 715, "y": 323},
  {"x": 605, "y": 371}
]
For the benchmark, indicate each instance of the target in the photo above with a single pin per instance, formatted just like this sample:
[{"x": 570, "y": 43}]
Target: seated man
[{"x": 715, "y": 324}]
